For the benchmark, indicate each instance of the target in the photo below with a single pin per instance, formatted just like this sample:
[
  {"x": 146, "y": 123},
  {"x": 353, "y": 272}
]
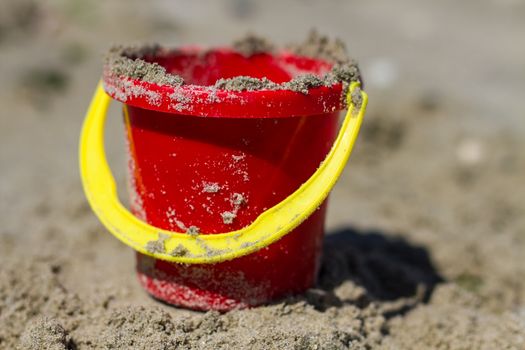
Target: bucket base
[
  {"x": 172, "y": 290},
  {"x": 287, "y": 267}
]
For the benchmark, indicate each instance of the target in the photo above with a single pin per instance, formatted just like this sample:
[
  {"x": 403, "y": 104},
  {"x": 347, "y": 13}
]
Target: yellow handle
[{"x": 274, "y": 223}]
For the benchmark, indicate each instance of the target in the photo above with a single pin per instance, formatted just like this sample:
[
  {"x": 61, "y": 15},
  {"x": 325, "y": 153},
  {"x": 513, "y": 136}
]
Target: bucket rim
[{"x": 209, "y": 101}]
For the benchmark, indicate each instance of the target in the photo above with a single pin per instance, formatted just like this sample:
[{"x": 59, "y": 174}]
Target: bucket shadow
[{"x": 360, "y": 267}]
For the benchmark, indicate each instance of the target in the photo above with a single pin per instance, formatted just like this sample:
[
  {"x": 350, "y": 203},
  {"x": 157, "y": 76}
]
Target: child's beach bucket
[{"x": 227, "y": 188}]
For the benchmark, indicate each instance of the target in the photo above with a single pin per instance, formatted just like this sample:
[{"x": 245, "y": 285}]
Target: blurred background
[{"x": 440, "y": 161}]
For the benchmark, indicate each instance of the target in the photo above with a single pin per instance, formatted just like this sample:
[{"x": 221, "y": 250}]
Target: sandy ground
[{"x": 426, "y": 244}]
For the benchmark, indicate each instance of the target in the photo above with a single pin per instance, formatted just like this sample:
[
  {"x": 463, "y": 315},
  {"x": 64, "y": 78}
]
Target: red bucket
[{"x": 211, "y": 160}]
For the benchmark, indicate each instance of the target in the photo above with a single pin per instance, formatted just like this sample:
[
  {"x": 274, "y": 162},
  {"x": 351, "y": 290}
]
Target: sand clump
[
  {"x": 45, "y": 333},
  {"x": 179, "y": 250},
  {"x": 246, "y": 83},
  {"x": 251, "y": 44},
  {"x": 120, "y": 63},
  {"x": 193, "y": 231},
  {"x": 304, "y": 83},
  {"x": 237, "y": 200},
  {"x": 300, "y": 84},
  {"x": 228, "y": 217},
  {"x": 211, "y": 187},
  {"x": 158, "y": 245},
  {"x": 322, "y": 47}
]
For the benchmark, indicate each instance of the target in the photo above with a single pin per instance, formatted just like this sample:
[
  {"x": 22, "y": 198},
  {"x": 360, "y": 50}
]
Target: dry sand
[{"x": 426, "y": 228}]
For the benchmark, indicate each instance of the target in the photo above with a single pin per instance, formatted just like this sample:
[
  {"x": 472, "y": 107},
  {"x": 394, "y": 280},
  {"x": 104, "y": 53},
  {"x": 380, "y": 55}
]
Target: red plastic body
[{"x": 244, "y": 157}]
